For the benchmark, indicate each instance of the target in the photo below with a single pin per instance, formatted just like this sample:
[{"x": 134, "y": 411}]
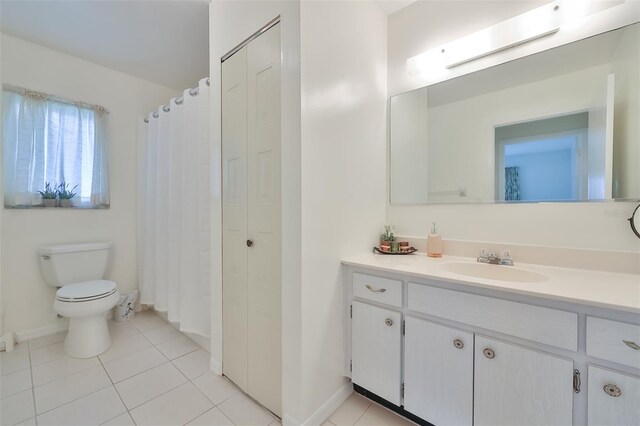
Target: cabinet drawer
[
  {"x": 378, "y": 289},
  {"x": 613, "y": 398},
  {"x": 614, "y": 341},
  {"x": 544, "y": 325}
]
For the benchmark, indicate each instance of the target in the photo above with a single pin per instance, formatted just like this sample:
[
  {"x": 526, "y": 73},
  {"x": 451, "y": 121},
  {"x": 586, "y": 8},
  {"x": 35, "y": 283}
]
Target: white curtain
[
  {"x": 174, "y": 210},
  {"x": 46, "y": 139}
]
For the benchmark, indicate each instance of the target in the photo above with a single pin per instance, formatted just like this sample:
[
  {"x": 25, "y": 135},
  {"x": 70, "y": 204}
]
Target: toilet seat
[{"x": 86, "y": 291}]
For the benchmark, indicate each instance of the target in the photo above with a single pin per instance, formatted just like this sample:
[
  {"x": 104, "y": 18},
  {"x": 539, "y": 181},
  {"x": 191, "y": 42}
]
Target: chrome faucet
[{"x": 493, "y": 259}]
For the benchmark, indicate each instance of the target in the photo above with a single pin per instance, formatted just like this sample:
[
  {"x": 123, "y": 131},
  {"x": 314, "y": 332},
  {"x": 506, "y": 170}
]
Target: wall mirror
[{"x": 559, "y": 125}]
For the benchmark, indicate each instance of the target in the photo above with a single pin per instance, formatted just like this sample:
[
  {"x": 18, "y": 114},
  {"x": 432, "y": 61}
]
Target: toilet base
[{"x": 87, "y": 336}]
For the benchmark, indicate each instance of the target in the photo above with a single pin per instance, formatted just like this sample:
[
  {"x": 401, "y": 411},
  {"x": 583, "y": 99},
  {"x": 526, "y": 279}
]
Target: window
[{"x": 51, "y": 140}]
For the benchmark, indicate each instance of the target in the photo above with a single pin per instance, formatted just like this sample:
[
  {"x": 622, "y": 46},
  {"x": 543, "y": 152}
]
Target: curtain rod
[
  {"x": 44, "y": 96},
  {"x": 166, "y": 108}
]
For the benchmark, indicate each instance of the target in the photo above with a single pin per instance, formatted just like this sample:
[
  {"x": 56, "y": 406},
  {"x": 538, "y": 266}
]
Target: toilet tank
[{"x": 73, "y": 263}]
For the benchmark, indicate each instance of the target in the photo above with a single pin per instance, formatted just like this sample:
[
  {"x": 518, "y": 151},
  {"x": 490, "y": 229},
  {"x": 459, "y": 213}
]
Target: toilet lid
[{"x": 85, "y": 291}]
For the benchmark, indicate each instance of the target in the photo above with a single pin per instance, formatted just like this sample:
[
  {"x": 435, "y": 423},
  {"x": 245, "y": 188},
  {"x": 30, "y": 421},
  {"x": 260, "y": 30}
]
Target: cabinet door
[
  {"x": 614, "y": 398},
  {"x": 375, "y": 353},
  {"x": 438, "y": 373},
  {"x": 518, "y": 386}
]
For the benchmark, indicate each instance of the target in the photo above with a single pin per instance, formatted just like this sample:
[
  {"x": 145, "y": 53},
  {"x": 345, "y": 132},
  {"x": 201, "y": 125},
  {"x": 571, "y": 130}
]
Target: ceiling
[
  {"x": 392, "y": 6},
  {"x": 163, "y": 41}
]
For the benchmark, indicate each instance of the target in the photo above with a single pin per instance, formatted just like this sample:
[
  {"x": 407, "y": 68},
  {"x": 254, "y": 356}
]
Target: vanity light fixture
[{"x": 523, "y": 28}]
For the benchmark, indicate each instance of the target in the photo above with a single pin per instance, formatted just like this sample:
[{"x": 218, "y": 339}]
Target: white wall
[
  {"x": 598, "y": 225},
  {"x": 343, "y": 68},
  {"x": 28, "y": 300},
  {"x": 333, "y": 175}
]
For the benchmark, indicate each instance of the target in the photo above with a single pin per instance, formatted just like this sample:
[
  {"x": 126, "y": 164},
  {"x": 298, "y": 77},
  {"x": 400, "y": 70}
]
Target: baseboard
[
  {"x": 325, "y": 410},
  {"x": 216, "y": 366},
  {"x": 287, "y": 420},
  {"x": 22, "y": 336}
]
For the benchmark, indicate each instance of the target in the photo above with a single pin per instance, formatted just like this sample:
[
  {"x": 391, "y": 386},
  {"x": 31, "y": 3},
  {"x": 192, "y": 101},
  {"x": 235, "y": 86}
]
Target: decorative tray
[{"x": 410, "y": 251}]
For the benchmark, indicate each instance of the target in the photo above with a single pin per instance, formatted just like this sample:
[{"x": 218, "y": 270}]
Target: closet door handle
[{"x": 249, "y": 243}]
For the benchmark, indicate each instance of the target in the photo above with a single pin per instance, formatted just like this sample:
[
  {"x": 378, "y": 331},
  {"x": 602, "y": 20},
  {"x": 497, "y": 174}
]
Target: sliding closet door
[
  {"x": 251, "y": 220},
  {"x": 264, "y": 224},
  {"x": 234, "y": 218}
]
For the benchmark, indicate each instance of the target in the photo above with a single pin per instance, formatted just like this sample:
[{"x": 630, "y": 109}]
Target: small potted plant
[
  {"x": 387, "y": 238},
  {"x": 65, "y": 194},
  {"x": 49, "y": 195}
]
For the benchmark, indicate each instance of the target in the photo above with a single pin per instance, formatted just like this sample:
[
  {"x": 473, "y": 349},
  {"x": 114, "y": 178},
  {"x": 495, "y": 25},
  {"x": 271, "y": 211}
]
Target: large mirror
[{"x": 560, "y": 125}]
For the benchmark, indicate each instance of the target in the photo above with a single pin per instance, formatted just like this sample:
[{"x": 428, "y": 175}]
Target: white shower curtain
[{"x": 174, "y": 210}]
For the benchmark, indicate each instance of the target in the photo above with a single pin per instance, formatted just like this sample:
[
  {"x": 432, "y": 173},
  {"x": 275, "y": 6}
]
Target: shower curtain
[{"x": 174, "y": 210}]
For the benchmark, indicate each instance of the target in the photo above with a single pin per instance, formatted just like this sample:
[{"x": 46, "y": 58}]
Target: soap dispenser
[{"x": 434, "y": 243}]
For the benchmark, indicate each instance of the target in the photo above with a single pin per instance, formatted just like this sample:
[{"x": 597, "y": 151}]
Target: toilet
[{"x": 83, "y": 296}]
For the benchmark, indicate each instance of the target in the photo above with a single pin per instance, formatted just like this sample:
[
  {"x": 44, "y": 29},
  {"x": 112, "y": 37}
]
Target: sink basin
[{"x": 495, "y": 272}]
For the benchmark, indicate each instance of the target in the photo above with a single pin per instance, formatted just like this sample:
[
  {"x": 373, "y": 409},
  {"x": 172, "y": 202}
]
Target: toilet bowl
[
  {"x": 82, "y": 296},
  {"x": 86, "y": 305}
]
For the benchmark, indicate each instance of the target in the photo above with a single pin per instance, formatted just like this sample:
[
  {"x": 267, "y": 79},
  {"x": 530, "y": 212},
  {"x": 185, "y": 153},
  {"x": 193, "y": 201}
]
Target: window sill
[{"x": 104, "y": 207}]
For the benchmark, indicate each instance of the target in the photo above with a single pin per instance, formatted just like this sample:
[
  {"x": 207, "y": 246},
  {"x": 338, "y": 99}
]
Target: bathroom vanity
[{"x": 454, "y": 342}]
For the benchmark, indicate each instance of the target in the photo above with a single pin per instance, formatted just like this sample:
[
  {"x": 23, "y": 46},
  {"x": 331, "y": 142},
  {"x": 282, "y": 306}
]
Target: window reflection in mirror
[{"x": 546, "y": 159}]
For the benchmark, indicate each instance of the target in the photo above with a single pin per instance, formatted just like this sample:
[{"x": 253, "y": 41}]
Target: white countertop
[{"x": 593, "y": 288}]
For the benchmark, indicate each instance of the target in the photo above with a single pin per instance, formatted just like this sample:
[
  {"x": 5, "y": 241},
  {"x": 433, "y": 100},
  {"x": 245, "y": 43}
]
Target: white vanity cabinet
[
  {"x": 376, "y": 349},
  {"x": 514, "y": 385},
  {"x": 438, "y": 371},
  {"x": 614, "y": 398},
  {"x": 452, "y": 354}
]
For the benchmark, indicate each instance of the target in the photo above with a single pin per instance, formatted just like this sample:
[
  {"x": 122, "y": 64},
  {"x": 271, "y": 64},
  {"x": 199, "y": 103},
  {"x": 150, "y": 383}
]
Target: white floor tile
[
  {"x": 14, "y": 383},
  {"x": 216, "y": 388},
  {"x": 16, "y": 408},
  {"x": 244, "y": 411},
  {"x": 13, "y": 361},
  {"x": 122, "y": 420},
  {"x": 213, "y": 417},
  {"x": 350, "y": 411},
  {"x": 124, "y": 346},
  {"x": 69, "y": 388},
  {"x": 162, "y": 334},
  {"x": 380, "y": 416},
  {"x": 93, "y": 409},
  {"x": 175, "y": 407},
  {"x": 194, "y": 364},
  {"x": 147, "y": 320},
  {"x": 127, "y": 366},
  {"x": 28, "y": 422},
  {"x": 47, "y": 340},
  {"x": 179, "y": 346},
  {"x": 61, "y": 367},
  {"x": 148, "y": 385},
  {"x": 276, "y": 422},
  {"x": 119, "y": 330},
  {"x": 47, "y": 353}
]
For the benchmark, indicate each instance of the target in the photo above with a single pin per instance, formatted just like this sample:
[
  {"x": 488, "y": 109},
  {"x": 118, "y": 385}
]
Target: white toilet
[{"x": 82, "y": 296}]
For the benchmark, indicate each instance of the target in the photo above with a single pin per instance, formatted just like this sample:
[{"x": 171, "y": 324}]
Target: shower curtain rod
[{"x": 166, "y": 108}]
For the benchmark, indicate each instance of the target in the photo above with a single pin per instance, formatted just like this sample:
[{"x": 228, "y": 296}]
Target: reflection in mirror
[{"x": 555, "y": 126}]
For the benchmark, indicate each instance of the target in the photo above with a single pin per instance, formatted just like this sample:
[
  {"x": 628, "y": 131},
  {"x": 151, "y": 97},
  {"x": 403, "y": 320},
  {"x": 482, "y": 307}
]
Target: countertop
[{"x": 586, "y": 287}]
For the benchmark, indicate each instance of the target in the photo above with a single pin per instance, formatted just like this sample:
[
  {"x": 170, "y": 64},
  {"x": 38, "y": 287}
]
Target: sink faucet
[{"x": 493, "y": 259}]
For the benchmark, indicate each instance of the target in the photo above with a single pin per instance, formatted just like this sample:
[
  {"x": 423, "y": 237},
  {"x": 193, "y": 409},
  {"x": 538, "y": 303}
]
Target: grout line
[
  {"x": 33, "y": 388},
  {"x": 118, "y": 393}
]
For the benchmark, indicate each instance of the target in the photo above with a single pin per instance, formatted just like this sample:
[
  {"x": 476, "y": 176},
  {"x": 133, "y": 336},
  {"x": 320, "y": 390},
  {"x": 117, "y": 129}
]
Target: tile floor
[{"x": 151, "y": 375}]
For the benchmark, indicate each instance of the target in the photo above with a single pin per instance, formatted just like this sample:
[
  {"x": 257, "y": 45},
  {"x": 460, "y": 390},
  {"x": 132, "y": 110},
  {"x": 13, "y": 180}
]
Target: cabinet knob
[
  {"x": 612, "y": 390},
  {"x": 459, "y": 344},
  {"x": 489, "y": 353},
  {"x": 249, "y": 243},
  {"x": 389, "y": 322}
]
